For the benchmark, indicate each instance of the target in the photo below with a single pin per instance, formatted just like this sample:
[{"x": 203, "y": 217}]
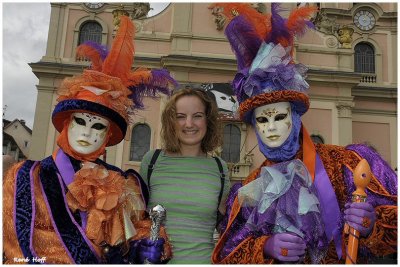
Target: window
[
  {"x": 364, "y": 58},
  {"x": 90, "y": 31},
  {"x": 317, "y": 139},
  {"x": 140, "y": 142},
  {"x": 26, "y": 143},
  {"x": 231, "y": 147}
]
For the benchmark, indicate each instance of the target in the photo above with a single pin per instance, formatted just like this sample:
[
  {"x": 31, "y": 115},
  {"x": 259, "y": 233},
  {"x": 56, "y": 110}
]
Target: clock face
[
  {"x": 364, "y": 20},
  {"x": 94, "y": 5}
]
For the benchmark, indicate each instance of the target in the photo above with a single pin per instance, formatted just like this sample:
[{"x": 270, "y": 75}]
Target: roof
[{"x": 22, "y": 122}]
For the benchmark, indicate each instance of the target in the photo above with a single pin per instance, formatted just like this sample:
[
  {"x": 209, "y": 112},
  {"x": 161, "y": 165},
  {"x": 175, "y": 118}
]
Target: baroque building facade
[{"x": 351, "y": 56}]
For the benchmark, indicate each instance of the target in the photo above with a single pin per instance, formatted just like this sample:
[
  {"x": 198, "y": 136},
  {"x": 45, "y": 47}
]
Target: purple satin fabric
[
  {"x": 381, "y": 170},
  {"x": 329, "y": 205},
  {"x": 31, "y": 247},
  {"x": 67, "y": 172}
]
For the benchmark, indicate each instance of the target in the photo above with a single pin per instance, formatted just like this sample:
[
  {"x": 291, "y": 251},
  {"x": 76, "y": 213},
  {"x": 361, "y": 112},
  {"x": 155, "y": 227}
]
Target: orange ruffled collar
[{"x": 111, "y": 203}]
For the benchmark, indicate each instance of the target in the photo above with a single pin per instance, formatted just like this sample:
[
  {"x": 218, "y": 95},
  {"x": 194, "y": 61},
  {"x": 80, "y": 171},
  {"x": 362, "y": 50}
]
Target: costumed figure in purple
[
  {"x": 295, "y": 206},
  {"x": 72, "y": 207}
]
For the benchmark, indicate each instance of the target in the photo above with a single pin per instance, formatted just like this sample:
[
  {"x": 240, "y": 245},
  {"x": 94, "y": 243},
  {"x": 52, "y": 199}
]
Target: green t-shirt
[{"x": 188, "y": 187}]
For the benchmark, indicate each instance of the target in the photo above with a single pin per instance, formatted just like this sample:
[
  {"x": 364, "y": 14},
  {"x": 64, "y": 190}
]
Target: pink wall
[
  {"x": 377, "y": 134},
  {"x": 319, "y": 121}
]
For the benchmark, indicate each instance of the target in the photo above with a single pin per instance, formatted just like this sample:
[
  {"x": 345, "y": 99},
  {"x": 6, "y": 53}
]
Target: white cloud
[
  {"x": 25, "y": 29},
  {"x": 25, "y": 32}
]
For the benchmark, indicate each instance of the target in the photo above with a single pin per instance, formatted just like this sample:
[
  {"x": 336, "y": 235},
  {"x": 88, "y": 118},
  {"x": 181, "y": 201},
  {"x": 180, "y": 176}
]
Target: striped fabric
[{"x": 188, "y": 187}]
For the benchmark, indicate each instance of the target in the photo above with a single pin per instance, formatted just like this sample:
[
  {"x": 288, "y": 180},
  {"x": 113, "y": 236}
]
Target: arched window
[
  {"x": 140, "y": 142},
  {"x": 317, "y": 139},
  {"x": 90, "y": 31},
  {"x": 231, "y": 147},
  {"x": 364, "y": 58}
]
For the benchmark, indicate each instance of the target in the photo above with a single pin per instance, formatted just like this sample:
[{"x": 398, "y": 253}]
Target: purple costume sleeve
[
  {"x": 381, "y": 170},
  {"x": 238, "y": 231}
]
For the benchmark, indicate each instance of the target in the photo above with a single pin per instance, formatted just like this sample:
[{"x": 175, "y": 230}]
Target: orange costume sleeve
[{"x": 45, "y": 240}]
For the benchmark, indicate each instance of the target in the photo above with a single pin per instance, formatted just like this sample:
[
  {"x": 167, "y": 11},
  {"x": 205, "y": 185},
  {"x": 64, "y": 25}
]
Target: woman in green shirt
[{"x": 186, "y": 180}]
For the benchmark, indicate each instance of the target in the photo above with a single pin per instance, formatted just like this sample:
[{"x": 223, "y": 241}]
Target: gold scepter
[{"x": 362, "y": 177}]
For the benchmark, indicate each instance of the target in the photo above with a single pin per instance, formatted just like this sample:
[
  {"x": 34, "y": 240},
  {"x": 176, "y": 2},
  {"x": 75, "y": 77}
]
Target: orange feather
[
  {"x": 88, "y": 52},
  {"x": 298, "y": 17},
  {"x": 139, "y": 76},
  {"x": 261, "y": 23},
  {"x": 119, "y": 61}
]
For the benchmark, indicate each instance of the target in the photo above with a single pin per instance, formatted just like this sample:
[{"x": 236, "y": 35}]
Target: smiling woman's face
[
  {"x": 274, "y": 123},
  {"x": 87, "y": 132}
]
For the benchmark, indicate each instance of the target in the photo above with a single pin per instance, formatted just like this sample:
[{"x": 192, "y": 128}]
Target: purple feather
[
  {"x": 244, "y": 41},
  {"x": 101, "y": 49},
  {"x": 160, "y": 83},
  {"x": 279, "y": 30}
]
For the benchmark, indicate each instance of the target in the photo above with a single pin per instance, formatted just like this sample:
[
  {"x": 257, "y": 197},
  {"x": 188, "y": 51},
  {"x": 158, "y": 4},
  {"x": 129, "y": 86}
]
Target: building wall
[
  {"x": 20, "y": 134},
  {"x": 184, "y": 39}
]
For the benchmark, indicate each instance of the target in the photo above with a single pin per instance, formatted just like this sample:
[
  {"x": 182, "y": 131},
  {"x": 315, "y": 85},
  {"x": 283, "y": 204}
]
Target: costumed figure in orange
[
  {"x": 73, "y": 207},
  {"x": 295, "y": 206}
]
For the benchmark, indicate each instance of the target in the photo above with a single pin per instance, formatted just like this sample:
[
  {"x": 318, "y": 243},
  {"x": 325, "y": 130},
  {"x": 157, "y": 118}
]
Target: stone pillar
[
  {"x": 345, "y": 122},
  {"x": 182, "y": 29},
  {"x": 41, "y": 132},
  {"x": 55, "y": 34}
]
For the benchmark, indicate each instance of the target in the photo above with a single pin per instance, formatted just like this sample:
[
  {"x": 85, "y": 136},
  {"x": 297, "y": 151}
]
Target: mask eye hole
[
  {"x": 98, "y": 126},
  {"x": 280, "y": 117},
  {"x": 80, "y": 121},
  {"x": 261, "y": 119}
]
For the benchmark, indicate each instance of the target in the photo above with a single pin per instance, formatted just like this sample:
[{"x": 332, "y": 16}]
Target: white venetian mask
[
  {"x": 274, "y": 123},
  {"x": 87, "y": 132}
]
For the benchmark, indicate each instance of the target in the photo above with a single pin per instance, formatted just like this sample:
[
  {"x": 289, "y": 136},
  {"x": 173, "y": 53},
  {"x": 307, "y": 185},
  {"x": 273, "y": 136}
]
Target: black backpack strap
[
  {"x": 222, "y": 177},
  {"x": 151, "y": 165}
]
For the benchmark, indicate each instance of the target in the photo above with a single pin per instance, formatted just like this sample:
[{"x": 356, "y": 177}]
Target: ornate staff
[
  {"x": 362, "y": 177},
  {"x": 158, "y": 215}
]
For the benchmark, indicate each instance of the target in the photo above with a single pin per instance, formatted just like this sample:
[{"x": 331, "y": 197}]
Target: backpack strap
[
  {"x": 222, "y": 177},
  {"x": 151, "y": 165}
]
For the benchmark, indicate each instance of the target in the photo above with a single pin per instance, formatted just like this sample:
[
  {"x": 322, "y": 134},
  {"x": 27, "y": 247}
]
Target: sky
[{"x": 24, "y": 38}]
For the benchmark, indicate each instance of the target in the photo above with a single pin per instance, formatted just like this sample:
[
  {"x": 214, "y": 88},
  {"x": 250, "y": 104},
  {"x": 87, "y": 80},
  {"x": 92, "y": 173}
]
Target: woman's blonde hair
[{"x": 212, "y": 138}]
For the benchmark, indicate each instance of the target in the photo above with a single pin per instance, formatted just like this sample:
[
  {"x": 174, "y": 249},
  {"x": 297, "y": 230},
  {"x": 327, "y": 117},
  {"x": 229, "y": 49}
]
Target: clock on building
[
  {"x": 94, "y": 5},
  {"x": 364, "y": 20}
]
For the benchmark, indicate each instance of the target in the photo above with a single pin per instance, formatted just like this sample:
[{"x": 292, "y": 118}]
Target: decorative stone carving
[
  {"x": 345, "y": 36},
  {"x": 344, "y": 109},
  {"x": 325, "y": 24},
  {"x": 248, "y": 158},
  {"x": 117, "y": 13},
  {"x": 260, "y": 7},
  {"x": 140, "y": 10},
  {"x": 331, "y": 42},
  {"x": 220, "y": 19}
]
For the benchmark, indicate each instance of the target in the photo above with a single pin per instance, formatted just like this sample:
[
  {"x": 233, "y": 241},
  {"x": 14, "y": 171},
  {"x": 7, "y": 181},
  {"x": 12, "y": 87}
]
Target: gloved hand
[
  {"x": 360, "y": 216},
  {"x": 150, "y": 250},
  {"x": 112, "y": 254},
  {"x": 287, "y": 244}
]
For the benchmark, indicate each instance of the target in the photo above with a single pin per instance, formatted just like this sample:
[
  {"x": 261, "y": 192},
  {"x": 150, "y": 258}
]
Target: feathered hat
[
  {"x": 263, "y": 46},
  {"x": 109, "y": 87}
]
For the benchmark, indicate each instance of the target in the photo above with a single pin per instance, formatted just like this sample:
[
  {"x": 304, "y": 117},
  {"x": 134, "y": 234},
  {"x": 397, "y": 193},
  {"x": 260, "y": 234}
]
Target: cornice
[
  {"x": 385, "y": 113},
  {"x": 197, "y": 63},
  {"x": 375, "y": 92},
  {"x": 56, "y": 69},
  {"x": 339, "y": 77}
]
